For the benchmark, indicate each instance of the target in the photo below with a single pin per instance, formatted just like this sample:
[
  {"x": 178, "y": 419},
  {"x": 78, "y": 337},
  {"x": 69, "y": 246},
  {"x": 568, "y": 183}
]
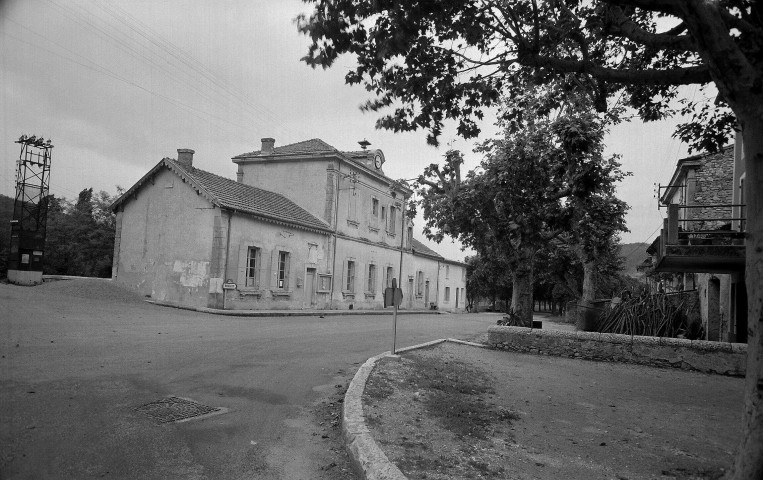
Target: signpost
[{"x": 393, "y": 297}]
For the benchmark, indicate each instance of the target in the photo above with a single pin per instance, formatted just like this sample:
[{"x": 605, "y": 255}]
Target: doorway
[
  {"x": 410, "y": 292},
  {"x": 309, "y": 287},
  {"x": 426, "y": 294}
]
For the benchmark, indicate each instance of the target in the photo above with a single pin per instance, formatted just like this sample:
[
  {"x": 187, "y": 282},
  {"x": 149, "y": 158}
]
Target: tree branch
[
  {"x": 620, "y": 24},
  {"x": 674, "y": 76},
  {"x": 671, "y": 7}
]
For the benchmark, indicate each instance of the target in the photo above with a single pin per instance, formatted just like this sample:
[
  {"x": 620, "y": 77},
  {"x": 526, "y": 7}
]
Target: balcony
[{"x": 692, "y": 241}]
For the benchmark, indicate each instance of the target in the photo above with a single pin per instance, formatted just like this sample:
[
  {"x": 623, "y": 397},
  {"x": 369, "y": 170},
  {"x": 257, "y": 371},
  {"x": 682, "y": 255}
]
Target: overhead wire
[
  {"x": 139, "y": 27},
  {"x": 173, "y": 57},
  {"x": 101, "y": 69}
]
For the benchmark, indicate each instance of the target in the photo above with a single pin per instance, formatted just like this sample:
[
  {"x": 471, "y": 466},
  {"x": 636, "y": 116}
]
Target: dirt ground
[{"x": 455, "y": 411}]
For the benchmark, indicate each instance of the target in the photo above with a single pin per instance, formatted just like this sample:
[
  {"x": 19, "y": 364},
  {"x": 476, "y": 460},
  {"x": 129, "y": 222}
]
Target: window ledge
[
  {"x": 352, "y": 223},
  {"x": 370, "y": 295},
  {"x": 373, "y": 229},
  {"x": 281, "y": 293},
  {"x": 391, "y": 234},
  {"x": 256, "y": 292},
  {"x": 347, "y": 294}
]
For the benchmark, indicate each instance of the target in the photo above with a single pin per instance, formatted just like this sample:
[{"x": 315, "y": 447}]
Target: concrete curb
[
  {"x": 367, "y": 458},
  {"x": 291, "y": 313}
]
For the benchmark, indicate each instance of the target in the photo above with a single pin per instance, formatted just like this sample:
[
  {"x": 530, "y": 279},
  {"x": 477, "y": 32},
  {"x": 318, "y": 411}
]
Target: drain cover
[{"x": 175, "y": 409}]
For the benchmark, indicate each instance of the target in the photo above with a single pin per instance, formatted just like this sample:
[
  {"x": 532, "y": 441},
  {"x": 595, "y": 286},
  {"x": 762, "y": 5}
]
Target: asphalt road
[{"x": 79, "y": 358}]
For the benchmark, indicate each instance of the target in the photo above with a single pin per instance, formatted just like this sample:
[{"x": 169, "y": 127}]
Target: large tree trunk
[
  {"x": 748, "y": 463},
  {"x": 522, "y": 290},
  {"x": 588, "y": 285}
]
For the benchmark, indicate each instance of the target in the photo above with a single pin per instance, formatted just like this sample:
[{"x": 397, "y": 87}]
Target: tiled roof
[
  {"x": 227, "y": 193},
  {"x": 315, "y": 145},
  {"x": 419, "y": 247}
]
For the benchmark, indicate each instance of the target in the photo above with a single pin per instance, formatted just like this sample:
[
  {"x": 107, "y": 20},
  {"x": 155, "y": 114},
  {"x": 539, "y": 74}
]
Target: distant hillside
[{"x": 633, "y": 254}]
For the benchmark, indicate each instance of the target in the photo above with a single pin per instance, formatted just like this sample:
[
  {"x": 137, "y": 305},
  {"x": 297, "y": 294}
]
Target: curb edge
[{"x": 367, "y": 458}]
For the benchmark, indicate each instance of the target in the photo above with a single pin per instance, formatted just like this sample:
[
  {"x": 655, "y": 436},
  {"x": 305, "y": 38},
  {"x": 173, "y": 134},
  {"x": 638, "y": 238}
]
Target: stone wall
[
  {"x": 714, "y": 186},
  {"x": 708, "y": 357}
]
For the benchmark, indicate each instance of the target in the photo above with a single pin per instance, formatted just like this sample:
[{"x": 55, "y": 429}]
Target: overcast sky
[{"x": 118, "y": 85}]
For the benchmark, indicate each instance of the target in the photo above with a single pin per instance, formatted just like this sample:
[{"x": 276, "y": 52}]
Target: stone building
[
  {"x": 304, "y": 226},
  {"x": 702, "y": 241}
]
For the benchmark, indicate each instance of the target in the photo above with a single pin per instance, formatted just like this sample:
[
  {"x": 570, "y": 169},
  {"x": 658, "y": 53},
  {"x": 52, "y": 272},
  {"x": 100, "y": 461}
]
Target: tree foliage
[
  {"x": 80, "y": 235},
  {"x": 431, "y": 61},
  {"x": 537, "y": 185}
]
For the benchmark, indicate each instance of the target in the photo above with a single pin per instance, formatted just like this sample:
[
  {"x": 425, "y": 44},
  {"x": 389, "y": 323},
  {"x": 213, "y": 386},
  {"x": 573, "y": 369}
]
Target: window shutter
[
  {"x": 257, "y": 268},
  {"x": 274, "y": 269},
  {"x": 287, "y": 270},
  {"x": 237, "y": 264}
]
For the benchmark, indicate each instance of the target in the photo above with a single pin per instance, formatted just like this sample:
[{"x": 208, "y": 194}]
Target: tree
[
  {"x": 537, "y": 183},
  {"x": 80, "y": 236},
  {"x": 431, "y": 61},
  {"x": 487, "y": 278}
]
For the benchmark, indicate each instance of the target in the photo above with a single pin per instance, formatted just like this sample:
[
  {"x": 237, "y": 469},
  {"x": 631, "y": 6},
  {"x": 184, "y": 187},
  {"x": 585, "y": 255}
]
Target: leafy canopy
[{"x": 430, "y": 61}]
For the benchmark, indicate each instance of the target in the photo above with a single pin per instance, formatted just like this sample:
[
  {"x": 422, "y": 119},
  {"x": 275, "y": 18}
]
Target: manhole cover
[{"x": 175, "y": 409}]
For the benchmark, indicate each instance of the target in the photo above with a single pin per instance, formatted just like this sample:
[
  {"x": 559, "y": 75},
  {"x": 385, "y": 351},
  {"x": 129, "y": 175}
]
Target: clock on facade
[{"x": 378, "y": 160}]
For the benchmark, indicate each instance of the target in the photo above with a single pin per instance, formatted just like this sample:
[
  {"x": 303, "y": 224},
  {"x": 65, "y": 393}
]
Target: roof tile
[
  {"x": 248, "y": 199},
  {"x": 315, "y": 145},
  {"x": 421, "y": 248}
]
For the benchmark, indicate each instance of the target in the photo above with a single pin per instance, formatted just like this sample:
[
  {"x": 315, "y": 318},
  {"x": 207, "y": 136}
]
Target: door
[
  {"x": 426, "y": 294},
  {"x": 410, "y": 292},
  {"x": 457, "y": 298},
  {"x": 310, "y": 287}
]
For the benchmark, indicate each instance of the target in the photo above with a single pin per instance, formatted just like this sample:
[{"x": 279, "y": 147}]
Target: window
[
  {"x": 447, "y": 294},
  {"x": 371, "y": 278},
  {"x": 447, "y": 272},
  {"x": 383, "y": 213},
  {"x": 375, "y": 207},
  {"x": 283, "y": 270},
  {"x": 350, "y": 277},
  {"x": 390, "y": 276},
  {"x": 410, "y": 236},
  {"x": 252, "y": 268},
  {"x": 392, "y": 220},
  {"x": 420, "y": 283},
  {"x": 463, "y": 274}
]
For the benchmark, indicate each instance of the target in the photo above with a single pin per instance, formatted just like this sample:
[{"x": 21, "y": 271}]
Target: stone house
[
  {"x": 304, "y": 226},
  {"x": 702, "y": 239}
]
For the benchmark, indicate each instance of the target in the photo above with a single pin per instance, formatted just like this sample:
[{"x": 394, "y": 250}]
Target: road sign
[{"x": 393, "y": 297}]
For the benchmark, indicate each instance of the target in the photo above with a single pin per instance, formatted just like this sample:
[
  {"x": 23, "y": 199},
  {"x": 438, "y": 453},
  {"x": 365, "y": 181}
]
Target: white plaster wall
[
  {"x": 455, "y": 278},
  {"x": 303, "y": 182},
  {"x": 166, "y": 241},
  {"x": 306, "y": 250}
]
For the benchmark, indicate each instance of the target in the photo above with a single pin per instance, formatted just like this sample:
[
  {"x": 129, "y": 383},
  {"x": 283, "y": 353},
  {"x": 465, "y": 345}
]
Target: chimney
[
  {"x": 267, "y": 146},
  {"x": 185, "y": 157}
]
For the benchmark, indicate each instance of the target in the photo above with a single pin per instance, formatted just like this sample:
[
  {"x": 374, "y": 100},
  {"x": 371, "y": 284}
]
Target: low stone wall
[{"x": 709, "y": 357}]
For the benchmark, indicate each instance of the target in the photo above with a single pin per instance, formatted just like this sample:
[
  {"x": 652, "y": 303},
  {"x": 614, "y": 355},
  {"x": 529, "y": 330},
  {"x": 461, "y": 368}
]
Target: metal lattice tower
[{"x": 30, "y": 211}]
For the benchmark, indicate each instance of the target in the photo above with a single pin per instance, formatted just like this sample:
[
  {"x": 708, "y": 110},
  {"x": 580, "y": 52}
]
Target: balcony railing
[
  {"x": 693, "y": 229},
  {"x": 702, "y": 238}
]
